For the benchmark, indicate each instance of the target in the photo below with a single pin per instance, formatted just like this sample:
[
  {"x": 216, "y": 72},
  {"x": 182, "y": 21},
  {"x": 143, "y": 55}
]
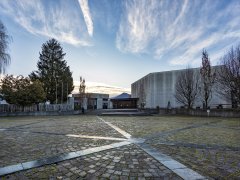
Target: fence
[
  {"x": 36, "y": 108},
  {"x": 201, "y": 112}
]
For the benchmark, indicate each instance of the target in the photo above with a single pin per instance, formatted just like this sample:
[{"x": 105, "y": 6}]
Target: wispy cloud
[
  {"x": 173, "y": 31},
  {"x": 177, "y": 31},
  {"x": 48, "y": 18},
  {"x": 86, "y": 15},
  {"x": 96, "y": 87},
  {"x": 138, "y": 26}
]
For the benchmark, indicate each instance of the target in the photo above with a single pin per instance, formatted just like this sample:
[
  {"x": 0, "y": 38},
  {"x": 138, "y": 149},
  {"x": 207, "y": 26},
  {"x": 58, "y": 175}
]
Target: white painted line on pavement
[
  {"x": 124, "y": 133},
  {"x": 96, "y": 137}
]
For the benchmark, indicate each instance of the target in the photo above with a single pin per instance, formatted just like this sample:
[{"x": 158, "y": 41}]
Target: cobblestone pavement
[
  {"x": 43, "y": 137},
  {"x": 213, "y": 149},
  {"x": 19, "y": 147},
  {"x": 142, "y": 126},
  {"x": 86, "y": 125},
  {"x": 121, "y": 163},
  {"x": 210, "y": 146},
  {"x": 8, "y": 122},
  {"x": 213, "y": 163}
]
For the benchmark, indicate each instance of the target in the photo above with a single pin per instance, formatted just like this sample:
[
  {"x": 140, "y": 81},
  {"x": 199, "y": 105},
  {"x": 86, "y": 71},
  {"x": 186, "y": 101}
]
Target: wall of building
[
  {"x": 159, "y": 89},
  {"x": 92, "y": 100}
]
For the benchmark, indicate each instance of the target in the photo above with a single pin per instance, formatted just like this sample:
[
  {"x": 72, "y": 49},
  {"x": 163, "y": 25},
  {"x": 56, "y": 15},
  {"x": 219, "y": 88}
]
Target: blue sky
[{"x": 112, "y": 43}]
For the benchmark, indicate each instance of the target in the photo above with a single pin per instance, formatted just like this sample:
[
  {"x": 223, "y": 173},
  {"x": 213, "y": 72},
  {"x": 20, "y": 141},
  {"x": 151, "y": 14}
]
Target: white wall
[{"x": 160, "y": 89}]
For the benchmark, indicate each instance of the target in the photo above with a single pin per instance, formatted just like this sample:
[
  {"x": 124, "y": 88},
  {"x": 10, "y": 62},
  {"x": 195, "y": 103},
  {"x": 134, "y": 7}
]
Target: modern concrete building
[
  {"x": 124, "y": 101},
  {"x": 158, "y": 89},
  {"x": 92, "y": 100}
]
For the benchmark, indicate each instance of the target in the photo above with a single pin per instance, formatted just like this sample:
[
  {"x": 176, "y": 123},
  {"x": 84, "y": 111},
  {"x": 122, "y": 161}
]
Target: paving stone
[
  {"x": 92, "y": 166},
  {"x": 40, "y": 139},
  {"x": 110, "y": 171},
  {"x": 106, "y": 175},
  {"x": 26, "y": 138},
  {"x": 86, "y": 166},
  {"x": 141, "y": 178},
  {"x": 125, "y": 173},
  {"x": 123, "y": 177},
  {"x": 147, "y": 175},
  {"x": 110, "y": 167},
  {"x": 92, "y": 171},
  {"x": 82, "y": 174},
  {"x": 69, "y": 174},
  {"x": 126, "y": 170},
  {"x": 73, "y": 169},
  {"x": 118, "y": 173}
]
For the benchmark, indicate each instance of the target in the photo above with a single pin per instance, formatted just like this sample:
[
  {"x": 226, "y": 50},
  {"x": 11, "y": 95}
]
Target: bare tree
[
  {"x": 82, "y": 94},
  {"x": 4, "y": 56},
  {"x": 208, "y": 77},
  {"x": 228, "y": 78},
  {"x": 187, "y": 86},
  {"x": 82, "y": 86}
]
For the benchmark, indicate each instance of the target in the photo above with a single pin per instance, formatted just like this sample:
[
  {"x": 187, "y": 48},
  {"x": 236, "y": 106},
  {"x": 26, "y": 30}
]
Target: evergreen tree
[{"x": 53, "y": 72}]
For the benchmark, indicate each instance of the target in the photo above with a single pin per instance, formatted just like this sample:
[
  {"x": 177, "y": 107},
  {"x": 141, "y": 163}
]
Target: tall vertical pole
[
  {"x": 56, "y": 85},
  {"x": 56, "y": 91},
  {"x": 62, "y": 94},
  {"x": 80, "y": 93},
  {"x": 67, "y": 92}
]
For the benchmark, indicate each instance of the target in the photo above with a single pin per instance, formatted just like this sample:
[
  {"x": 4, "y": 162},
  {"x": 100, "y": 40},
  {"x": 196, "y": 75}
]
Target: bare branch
[
  {"x": 229, "y": 76},
  {"x": 187, "y": 86},
  {"x": 4, "y": 56}
]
